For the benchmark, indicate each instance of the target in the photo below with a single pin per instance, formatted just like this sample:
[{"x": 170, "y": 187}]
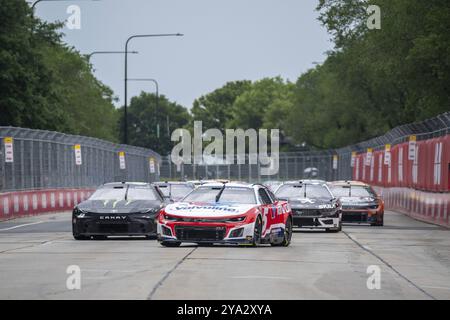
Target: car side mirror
[{"x": 282, "y": 199}]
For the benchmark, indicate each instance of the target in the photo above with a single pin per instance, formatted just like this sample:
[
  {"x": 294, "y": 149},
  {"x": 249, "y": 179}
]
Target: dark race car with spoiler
[
  {"x": 226, "y": 213},
  {"x": 313, "y": 205},
  {"x": 118, "y": 209},
  {"x": 360, "y": 203}
]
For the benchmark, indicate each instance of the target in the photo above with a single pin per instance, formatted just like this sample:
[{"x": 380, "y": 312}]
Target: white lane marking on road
[
  {"x": 260, "y": 277},
  {"x": 21, "y": 225}
]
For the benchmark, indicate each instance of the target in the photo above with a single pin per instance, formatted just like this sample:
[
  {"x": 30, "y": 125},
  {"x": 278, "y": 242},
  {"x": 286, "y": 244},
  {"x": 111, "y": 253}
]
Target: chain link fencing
[
  {"x": 45, "y": 159},
  {"x": 39, "y": 159},
  {"x": 326, "y": 165}
]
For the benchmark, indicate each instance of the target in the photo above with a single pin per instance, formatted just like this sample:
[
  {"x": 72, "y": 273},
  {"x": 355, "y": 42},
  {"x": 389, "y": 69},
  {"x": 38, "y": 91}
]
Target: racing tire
[
  {"x": 257, "y": 232},
  {"x": 378, "y": 224},
  {"x": 170, "y": 244},
  {"x": 287, "y": 235},
  {"x": 80, "y": 237},
  {"x": 338, "y": 229}
]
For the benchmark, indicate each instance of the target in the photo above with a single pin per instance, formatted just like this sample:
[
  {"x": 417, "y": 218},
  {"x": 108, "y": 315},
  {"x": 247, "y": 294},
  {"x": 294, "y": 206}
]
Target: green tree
[
  {"x": 150, "y": 127},
  {"x": 404, "y": 68},
  {"x": 25, "y": 81},
  {"x": 214, "y": 109},
  {"x": 257, "y": 106},
  {"x": 46, "y": 85}
]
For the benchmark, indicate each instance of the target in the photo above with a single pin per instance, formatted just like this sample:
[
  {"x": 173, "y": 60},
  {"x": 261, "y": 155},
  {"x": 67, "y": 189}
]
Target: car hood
[
  {"x": 357, "y": 201},
  {"x": 210, "y": 210},
  {"x": 118, "y": 206},
  {"x": 307, "y": 203}
]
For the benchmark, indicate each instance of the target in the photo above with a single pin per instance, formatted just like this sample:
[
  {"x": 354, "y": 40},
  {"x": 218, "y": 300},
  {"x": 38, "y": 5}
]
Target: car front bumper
[
  {"x": 361, "y": 216},
  {"x": 316, "y": 222},
  {"x": 131, "y": 227},
  {"x": 221, "y": 233}
]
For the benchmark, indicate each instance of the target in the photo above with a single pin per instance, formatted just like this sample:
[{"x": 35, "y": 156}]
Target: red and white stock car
[{"x": 228, "y": 213}]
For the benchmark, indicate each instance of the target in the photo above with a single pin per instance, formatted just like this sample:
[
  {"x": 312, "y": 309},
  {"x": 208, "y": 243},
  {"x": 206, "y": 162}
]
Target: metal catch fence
[{"x": 39, "y": 159}]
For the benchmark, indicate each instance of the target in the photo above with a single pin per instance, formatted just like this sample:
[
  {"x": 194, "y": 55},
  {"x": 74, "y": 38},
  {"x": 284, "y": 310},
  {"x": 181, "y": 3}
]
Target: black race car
[
  {"x": 313, "y": 205},
  {"x": 360, "y": 203},
  {"x": 118, "y": 209}
]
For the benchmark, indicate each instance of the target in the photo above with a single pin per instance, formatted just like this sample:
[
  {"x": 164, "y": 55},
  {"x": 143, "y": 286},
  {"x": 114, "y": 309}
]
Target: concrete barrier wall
[
  {"x": 34, "y": 202},
  {"x": 429, "y": 171},
  {"x": 425, "y": 206}
]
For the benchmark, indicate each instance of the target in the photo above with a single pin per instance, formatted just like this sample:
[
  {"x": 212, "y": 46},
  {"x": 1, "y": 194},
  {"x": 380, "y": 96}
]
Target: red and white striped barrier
[
  {"x": 26, "y": 203},
  {"x": 426, "y": 206}
]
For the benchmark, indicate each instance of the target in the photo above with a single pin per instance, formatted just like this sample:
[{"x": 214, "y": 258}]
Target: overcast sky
[{"x": 224, "y": 40}]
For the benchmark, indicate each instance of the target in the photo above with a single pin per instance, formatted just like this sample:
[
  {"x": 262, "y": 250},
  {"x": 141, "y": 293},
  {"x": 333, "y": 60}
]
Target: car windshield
[
  {"x": 175, "y": 190},
  {"x": 109, "y": 193},
  {"x": 229, "y": 194},
  {"x": 141, "y": 193},
  {"x": 120, "y": 192},
  {"x": 303, "y": 191},
  {"x": 180, "y": 190},
  {"x": 352, "y": 191}
]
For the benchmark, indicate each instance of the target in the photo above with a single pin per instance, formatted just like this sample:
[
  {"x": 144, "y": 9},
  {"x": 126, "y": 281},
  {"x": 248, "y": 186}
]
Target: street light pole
[
  {"x": 37, "y": 1},
  {"x": 125, "y": 140},
  {"x": 88, "y": 56},
  {"x": 156, "y": 85}
]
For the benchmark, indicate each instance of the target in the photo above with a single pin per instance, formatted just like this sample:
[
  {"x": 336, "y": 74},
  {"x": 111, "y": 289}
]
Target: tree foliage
[
  {"x": 215, "y": 108},
  {"x": 151, "y": 122},
  {"x": 372, "y": 81},
  {"x": 44, "y": 84}
]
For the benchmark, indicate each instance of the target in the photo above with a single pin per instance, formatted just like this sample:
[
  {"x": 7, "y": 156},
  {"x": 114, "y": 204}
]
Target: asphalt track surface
[{"x": 413, "y": 257}]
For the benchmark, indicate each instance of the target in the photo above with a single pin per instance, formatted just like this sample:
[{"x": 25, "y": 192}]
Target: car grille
[
  {"x": 307, "y": 212},
  {"x": 352, "y": 207},
  {"x": 301, "y": 222},
  {"x": 113, "y": 227},
  {"x": 354, "y": 217},
  {"x": 200, "y": 233}
]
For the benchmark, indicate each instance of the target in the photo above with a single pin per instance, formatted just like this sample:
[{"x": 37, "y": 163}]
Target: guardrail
[
  {"x": 425, "y": 206},
  {"x": 33, "y": 202}
]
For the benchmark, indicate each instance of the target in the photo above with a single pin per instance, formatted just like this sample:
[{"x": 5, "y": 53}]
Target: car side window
[
  {"x": 265, "y": 199},
  {"x": 271, "y": 195}
]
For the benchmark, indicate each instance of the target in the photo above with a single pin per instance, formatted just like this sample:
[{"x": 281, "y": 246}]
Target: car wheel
[
  {"x": 287, "y": 235},
  {"x": 378, "y": 223},
  {"x": 171, "y": 244},
  {"x": 80, "y": 237},
  {"x": 257, "y": 232}
]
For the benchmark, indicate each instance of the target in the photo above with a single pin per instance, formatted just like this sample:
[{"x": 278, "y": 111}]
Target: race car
[
  {"x": 360, "y": 203},
  {"x": 118, "y": 209},
  {"x": 313, "y": 205},
  {"x": 174, "y": 190},
  {"x": 226, "y": 213}
]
